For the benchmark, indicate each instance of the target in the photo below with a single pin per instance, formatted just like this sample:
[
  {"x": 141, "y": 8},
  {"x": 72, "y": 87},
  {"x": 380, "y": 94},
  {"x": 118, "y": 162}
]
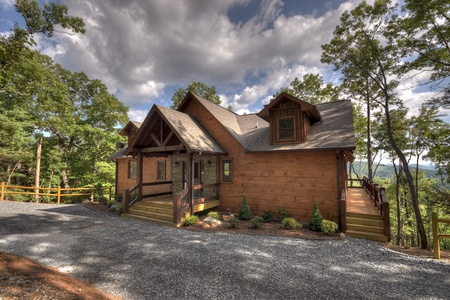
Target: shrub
[
  {"x": 103, "y": 200},
  {"x": 214, "y": 214},
  {"x": 316, "y": 219},
  {"x": 110, "y": 202},
  {"x": 256, "y": 222},
  {"x": 267, "y": 216},
  {"x": 190, "y": 221},
  {"x": 118, "y": 198},
  {"x": 289, "y": 223},
  {"x": 282, "y": 214},
  {"x": 329, "y": 227},
  {"x": 234, "y": 222},
  {"x": 244, "y": 212},
  {"x": 119, "y": 209}
]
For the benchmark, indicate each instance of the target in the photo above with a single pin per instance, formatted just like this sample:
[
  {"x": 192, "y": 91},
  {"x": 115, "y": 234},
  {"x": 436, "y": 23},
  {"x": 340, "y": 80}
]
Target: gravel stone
[{"x": 142, "y": 260}]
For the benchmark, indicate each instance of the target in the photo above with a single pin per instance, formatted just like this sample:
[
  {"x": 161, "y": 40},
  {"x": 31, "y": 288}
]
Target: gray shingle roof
[
  {"x": 192, "y": 133},
  {"x": 119, "y": 154},
  {"x": 335, "y": 131}
]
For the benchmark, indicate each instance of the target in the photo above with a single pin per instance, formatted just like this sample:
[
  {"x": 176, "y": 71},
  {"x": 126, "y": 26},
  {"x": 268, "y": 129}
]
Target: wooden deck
[{"x": 359, "y": 202}]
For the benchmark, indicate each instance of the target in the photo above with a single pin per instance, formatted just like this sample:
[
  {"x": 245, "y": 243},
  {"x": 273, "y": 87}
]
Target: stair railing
[
  {"x": 378, "y": 196},
  {"x": 180, "y": 205},
  {"x": 129, "y": 197}
]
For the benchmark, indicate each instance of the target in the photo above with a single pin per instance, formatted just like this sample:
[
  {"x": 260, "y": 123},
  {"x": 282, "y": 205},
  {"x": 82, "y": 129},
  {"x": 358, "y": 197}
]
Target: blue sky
[{"x": 144, "y": 50}]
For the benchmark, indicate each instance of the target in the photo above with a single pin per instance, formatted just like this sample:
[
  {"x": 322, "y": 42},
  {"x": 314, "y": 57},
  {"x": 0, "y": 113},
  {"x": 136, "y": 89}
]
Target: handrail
[
  {"x": 179, "y": 209},
  {"x": 378, "y": 196},
  {"x": 126, "y": 203},
  {"x": 436, "y": 235}
]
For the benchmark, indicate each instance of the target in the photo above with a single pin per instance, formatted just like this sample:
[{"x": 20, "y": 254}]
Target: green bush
[
  {"x": 234, "y": 222},
  {"x": 329, "y": 227},
  {"x": 282, "y": 214},
  {"x": 103, "y": 200},
  {"x": 316, "y": 219},
  {"x": 118, "y": 198},
  {"x": 190, "y": 221},
  {"x": 256, "y": 222},
  {"x": 267, "y": 216},
  {"x": 110, "y": 202},
  {"x": 244, "y": 212},
  {"x": 289, "y": 223},
  {"x": 214, "y": 214},
  {"x": 119, "y": 209}
]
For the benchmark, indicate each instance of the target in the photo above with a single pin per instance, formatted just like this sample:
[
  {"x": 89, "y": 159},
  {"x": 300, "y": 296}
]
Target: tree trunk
[
  {"x": 65, "y": 178},
  {"x": 38, "y": 169},
  {"x": 409, "y": 178},
  {"x": 369, "y": 141},
  {"x": 397, "y": 199}
]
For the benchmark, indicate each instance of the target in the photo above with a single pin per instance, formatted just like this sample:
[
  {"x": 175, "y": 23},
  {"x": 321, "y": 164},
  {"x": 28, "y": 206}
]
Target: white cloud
[{"x": 137, "y": 115}]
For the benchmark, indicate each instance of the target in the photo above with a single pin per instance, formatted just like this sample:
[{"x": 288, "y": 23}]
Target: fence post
[
  {"x": 110, "y": 193},
  {"x": 2, "y": 195},
  {"x": 436, "y": 246},
  {"x": 59, "y": 195}
]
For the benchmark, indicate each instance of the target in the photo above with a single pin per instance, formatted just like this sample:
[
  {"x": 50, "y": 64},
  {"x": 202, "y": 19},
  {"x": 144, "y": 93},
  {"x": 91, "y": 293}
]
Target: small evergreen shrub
[
  {"x": 234, "y": 222},
  {"x": 316, "y": 219},
  {"x": 244, "y": 212},
  {"x": 329, "y": 227},
  {"x": 190, "y": 221},
  {"x": 282, "y": 214},
  {"x": 103, "y": 200},
  {"x": 267, "y": 216},
  {"x": 214, "y": 214},
  {"x": 256, "y": 221},
  {"x": 110, "y": 202},
  {"x": 289, "y": 223}
]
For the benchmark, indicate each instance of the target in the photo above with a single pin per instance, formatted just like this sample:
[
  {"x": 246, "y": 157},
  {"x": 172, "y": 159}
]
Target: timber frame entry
[{"x": 159, "y": 138}]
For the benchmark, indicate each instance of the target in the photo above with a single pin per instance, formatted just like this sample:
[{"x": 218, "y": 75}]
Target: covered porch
[{"x": 189, "y": 178}]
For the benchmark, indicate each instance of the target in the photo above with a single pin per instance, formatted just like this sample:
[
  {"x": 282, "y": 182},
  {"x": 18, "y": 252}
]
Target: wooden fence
[
  {"x": 436, "y": 235},
  {"x": 49, "y": 192}
]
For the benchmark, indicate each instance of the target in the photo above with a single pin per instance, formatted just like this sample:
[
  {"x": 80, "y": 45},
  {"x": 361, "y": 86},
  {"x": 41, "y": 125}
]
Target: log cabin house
[{"x": 203, "y": 156}]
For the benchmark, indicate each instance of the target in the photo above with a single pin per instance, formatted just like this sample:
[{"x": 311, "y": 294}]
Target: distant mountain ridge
[{"x": 387, "y": 170}]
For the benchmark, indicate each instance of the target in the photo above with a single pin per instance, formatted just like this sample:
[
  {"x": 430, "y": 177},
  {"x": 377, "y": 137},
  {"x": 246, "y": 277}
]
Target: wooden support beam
[
  {"x": 154, "y": 138},
  {"x": 167, "y": 139}
]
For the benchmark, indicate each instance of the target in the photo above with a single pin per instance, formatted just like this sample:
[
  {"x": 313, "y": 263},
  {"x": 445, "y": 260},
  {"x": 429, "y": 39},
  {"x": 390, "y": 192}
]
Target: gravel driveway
[{"x": 141, "y": 260}]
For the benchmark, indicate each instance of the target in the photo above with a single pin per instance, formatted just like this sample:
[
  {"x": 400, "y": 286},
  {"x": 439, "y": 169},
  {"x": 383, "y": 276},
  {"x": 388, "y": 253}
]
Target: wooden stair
[
  {"x": 161, "y": 213},
  {"x": 366, "y": 226}
]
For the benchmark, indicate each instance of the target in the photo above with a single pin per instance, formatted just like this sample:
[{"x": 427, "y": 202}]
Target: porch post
[
  {"x": 190, "y": 180},
  {"x": 140, "y": 173}
]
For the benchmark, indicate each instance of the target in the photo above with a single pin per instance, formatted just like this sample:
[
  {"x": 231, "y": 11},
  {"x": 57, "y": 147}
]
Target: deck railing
[
  {"x": 205, "y": 192},
  {"x": 436, "y": 235},
  {"x": 378, "y": 196},
  {"x": 149, "y": 189},
  {"x": 129, "y": 197}
]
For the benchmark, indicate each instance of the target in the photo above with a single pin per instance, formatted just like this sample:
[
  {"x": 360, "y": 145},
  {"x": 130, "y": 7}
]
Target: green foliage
[
  {"x": 316, "y": 219},
  {"x": 234, "y": 222},
  {"x": 256, "y": 221},
  {"x": 110, "y": 202},
  {"x": 198, "y": 88},
  {"x": 214, "y": 214},
  {"x": 289, "y": 223},
  {"x": 282, "y": 214},
  {"x": 103, "y": 200},
  {"x": 244, "y": 212},
  {"x": 190, "y": 221},
  {"x": 329, "y": 227},
  {"x": 268, "y": 216},
  {"x": 312, "y": 89},
  {"x": 119, "y": 209}
]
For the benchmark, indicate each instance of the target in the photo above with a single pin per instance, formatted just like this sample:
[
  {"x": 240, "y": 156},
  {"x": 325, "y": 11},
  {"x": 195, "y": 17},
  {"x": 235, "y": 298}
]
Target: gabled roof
[
  {"x": 129, "y": 127},
  {"x": 119, "y": 154},
  {"x": 188, "y": 131},
  {"x": 311, "y": 110}
]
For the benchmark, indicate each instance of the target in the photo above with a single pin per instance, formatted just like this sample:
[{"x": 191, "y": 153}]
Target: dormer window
[{"x": 286, "y": 129}]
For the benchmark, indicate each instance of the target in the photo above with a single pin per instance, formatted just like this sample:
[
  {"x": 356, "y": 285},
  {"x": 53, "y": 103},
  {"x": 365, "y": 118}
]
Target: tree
[
  {"x": 198, "y": 88},
  {"x": 312, "y": 89},
  {"x": 364, "y": 47}
]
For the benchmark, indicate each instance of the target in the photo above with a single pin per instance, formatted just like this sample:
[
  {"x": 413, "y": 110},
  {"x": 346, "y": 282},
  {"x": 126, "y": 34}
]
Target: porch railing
[
  {"x": 155, "y": 189},
  {"x": 378, "y": 196},
  {"x": 343, "y": 210},
  {"x": 205, "y": 192},
  {"x": 129, "y": 197}
]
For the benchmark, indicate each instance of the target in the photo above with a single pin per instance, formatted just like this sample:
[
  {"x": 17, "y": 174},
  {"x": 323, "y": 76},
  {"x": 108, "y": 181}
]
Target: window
[
  {"x": 132, "y": 169},
  {"x": 286, "y": 128},
  {"x": 198, "y": 170},
  {"x": 161, "y": 172},
  {"x": 227, "y": 170}
]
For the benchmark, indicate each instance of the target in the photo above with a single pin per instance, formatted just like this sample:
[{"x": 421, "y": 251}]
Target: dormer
[
  {"x": 130, "y": 130},
  {"x": 290, "y": 119}
]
